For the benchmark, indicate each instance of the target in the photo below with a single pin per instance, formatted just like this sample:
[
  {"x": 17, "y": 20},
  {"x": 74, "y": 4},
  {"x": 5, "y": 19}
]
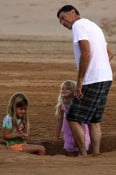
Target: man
[{"x": 94, "y": 78}]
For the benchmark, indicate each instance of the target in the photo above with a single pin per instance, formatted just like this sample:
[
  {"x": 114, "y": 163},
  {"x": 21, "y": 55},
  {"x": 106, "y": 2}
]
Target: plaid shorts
[{"x": 91, "y": 107}]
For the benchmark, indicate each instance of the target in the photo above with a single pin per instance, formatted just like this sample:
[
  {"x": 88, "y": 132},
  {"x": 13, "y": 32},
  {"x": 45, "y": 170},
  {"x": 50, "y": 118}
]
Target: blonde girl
[
  {"x": 64, "y": 100},
  {"x": 16, "y": 126}
]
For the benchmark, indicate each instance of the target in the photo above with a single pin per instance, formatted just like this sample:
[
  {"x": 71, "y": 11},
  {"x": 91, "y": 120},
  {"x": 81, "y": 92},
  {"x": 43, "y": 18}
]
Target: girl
[
  {"x": 16, "y": 126},
  {"x": 63, "y": 103}
]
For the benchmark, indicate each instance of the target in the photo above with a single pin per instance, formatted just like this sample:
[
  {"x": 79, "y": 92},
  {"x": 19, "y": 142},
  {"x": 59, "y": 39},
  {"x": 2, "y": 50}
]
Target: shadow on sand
[{"x": 108, "y": 144}]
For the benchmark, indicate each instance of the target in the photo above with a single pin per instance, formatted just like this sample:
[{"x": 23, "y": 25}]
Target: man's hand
[{"x": 78, "y": 91}]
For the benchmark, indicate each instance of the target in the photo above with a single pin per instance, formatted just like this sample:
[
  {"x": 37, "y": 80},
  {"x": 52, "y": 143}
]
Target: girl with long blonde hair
[
  {"x": 16, "y": 126},
  {"x": 67, "y": 91}
]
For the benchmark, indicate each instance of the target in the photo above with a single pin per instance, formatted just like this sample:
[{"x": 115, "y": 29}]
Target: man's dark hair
[{"x": 67, "y": 8}]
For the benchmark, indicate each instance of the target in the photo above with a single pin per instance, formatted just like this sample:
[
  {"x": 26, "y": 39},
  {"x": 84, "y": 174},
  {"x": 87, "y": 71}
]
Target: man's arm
[
  {"x": 84, "y": 61},
  {"x": 109, "y": 53}
]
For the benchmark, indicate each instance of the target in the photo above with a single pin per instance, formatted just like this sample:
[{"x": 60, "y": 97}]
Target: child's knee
[{"x": 42, "y": 150}]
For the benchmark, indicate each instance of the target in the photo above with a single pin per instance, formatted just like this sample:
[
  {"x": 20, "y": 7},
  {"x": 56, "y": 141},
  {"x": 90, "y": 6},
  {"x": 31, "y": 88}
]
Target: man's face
[{"x": 66, "y": 19}]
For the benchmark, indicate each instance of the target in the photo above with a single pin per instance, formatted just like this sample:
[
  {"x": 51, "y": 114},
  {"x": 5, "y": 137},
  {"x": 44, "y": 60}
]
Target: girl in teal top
[{"x": 16, "y": 126}]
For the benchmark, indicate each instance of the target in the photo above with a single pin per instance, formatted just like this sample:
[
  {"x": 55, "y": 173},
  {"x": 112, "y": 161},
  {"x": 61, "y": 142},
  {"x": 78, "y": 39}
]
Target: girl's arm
[
  {"x": 59, "y": 126},
  {"x": 8, "y": 135}
]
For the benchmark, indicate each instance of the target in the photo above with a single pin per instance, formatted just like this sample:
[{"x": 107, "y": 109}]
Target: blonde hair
[
  {"x": 18, "y": 100},
  {"x": 70, "y": 84}
]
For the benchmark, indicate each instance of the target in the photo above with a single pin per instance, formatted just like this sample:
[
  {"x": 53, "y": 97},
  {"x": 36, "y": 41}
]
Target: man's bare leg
[
  {"x": 95, "y": 132},
  {"x": 79, "y": 135}
]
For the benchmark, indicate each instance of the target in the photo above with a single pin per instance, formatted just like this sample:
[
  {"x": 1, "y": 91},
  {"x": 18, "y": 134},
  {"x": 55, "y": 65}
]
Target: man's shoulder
[{"x": 81, "y": 22}]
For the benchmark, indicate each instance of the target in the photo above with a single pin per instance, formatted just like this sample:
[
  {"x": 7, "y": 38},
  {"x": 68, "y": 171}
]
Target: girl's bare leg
[{"x": 34, "y": 149}]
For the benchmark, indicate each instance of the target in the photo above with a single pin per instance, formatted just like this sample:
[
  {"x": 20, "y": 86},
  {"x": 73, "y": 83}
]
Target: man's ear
[{"x": 73, "y": 11}]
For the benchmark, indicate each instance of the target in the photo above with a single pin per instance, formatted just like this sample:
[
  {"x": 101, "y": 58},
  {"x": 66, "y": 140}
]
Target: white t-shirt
[{"x": 99, "y": 68}]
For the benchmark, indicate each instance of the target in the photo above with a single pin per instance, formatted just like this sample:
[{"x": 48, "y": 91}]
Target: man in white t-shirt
[{"x": 94, "y": 79}]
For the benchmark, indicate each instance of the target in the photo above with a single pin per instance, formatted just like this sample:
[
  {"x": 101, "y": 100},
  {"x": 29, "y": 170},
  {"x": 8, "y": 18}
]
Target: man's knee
[{"x": 94, "y": 125}]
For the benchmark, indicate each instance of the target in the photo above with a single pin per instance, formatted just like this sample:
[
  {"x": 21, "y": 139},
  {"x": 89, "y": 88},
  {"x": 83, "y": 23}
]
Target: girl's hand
[
  {"x": 25, "y": 136},
  {"x": 56, "y": 140}
]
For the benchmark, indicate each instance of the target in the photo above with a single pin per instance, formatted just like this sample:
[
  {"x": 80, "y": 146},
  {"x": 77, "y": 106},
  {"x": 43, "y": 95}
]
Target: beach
[{"x": 36, "y": 55}]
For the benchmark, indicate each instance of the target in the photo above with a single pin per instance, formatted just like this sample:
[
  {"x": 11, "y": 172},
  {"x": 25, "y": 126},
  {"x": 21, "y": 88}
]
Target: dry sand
[{"x": 35, "y": 59}]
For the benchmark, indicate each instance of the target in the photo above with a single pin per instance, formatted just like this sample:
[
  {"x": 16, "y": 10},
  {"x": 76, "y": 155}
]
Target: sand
[{"x": 35, "y": 57}]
